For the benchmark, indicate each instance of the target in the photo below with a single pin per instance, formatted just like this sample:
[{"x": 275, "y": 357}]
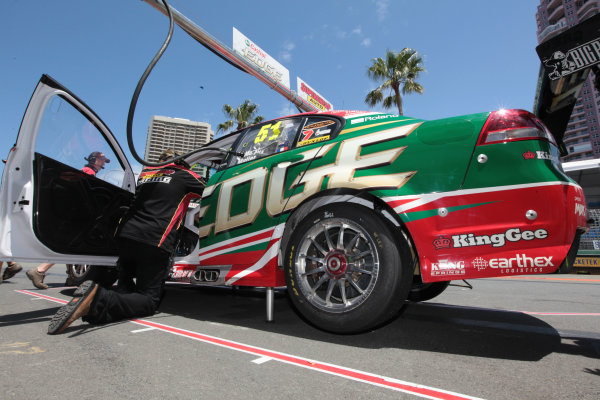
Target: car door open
[{"x": 51, "y": 209}]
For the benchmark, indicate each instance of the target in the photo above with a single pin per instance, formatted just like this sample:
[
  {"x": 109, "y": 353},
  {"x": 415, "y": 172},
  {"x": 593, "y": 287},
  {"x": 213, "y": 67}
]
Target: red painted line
[
  {"x": 377, "y": 380},
  {"x": 356, "y": 375},
  {"x": 54, "y": 299}
]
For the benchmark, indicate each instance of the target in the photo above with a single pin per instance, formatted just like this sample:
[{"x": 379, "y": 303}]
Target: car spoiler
[{"x": 566, "y": 63}]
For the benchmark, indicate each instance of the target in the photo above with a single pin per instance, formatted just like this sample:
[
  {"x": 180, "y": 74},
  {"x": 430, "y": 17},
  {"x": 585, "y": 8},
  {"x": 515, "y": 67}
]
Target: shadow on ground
[{"x": 425, "y": 326}]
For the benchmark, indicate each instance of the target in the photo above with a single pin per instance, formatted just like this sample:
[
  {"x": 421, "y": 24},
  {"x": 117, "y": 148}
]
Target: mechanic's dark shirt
[{"x": 160, "y": 203}]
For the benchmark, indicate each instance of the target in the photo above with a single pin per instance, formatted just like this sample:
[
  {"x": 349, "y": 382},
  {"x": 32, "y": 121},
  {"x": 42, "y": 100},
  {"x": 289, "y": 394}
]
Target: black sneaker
[{"x": 76, "y": 308}]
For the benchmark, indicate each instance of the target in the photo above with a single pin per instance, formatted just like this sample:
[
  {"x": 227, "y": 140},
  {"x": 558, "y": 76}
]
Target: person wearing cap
[
  {"x": 95, "y": 162},
  {"x": 147, "y": 239}
]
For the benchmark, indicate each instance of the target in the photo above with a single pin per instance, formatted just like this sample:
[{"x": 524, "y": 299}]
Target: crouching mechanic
[{"x": 146, "y": 236}]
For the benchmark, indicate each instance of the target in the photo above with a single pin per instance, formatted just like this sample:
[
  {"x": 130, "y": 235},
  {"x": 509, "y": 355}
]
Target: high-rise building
[
  {"x": 181, "y": 135},
  {"x": 582, "y": 137}
]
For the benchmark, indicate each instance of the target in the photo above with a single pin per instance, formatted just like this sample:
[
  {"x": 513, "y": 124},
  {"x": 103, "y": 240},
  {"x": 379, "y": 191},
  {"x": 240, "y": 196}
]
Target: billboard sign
[
  {"x": 311, "y": 96},
  {"x": 260, "y": 59}
]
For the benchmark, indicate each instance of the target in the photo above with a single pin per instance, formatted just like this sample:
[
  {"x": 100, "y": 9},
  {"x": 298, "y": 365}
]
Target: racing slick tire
[
  {"x": 426, "y": 291},
  {"x": 345, "y": 270},
  {"x": 105, "y": 276}
]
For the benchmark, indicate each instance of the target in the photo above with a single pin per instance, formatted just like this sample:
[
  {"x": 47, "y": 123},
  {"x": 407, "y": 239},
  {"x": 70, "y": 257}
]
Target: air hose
[{"x": 136, "y": 94}]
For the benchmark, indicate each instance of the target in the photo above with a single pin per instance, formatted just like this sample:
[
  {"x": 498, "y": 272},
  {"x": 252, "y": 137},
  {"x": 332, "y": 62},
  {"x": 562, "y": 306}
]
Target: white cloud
[
  {"x": 381, "y": 8},
  {"x": 357, "y": 30},
  {"x": 366, "y": 42},
  {"x": 289, "y": 46},
  {"x": 286, "y": 53},
  {"x": 341, "y": 34}
]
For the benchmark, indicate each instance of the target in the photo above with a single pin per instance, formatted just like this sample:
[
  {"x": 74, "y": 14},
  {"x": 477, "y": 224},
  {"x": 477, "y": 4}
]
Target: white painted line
[
  {"x": 262, "y": 360},
  {"x": 143, "y": 330}
]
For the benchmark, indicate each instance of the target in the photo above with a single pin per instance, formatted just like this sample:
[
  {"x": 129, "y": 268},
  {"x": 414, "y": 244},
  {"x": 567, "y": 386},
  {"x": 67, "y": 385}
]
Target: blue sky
[{"x": 479, "y": 55}]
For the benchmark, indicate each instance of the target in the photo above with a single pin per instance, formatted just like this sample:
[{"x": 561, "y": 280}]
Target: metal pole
[
  {"x": 270, "y": 301},
  {"x": 229, "y": 55}
]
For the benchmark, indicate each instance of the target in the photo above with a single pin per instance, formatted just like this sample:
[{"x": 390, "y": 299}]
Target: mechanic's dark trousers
[{"x": 148, "y": 265}]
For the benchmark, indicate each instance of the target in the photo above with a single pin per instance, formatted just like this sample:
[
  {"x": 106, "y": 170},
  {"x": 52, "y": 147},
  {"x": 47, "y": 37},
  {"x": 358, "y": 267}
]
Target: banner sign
[
  {"x": 593, "y": 262},
  {"x": 311, "y": 96},
  {"x": 260, "y": 59}
]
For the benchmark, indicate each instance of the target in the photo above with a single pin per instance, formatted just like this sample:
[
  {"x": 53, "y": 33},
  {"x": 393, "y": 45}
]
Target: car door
[{"x": 50, "y": 209}]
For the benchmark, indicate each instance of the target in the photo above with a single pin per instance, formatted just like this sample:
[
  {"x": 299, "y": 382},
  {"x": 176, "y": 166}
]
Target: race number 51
[{"x": 264, "y": 132}]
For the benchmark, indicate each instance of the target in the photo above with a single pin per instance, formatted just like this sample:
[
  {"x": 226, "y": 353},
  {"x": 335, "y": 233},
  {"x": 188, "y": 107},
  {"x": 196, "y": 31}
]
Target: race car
[{"x": 354, "y": 212}]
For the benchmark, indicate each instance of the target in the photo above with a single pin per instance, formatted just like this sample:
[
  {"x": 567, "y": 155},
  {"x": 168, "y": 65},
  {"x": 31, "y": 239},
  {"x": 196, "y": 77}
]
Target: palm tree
[
  {"x": 241, "y": 116},
  {"x": 396, "y": 71}
]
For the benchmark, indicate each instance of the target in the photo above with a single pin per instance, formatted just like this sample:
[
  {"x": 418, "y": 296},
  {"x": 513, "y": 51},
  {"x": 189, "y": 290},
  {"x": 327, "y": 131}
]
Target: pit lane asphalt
[{"x": 533, "y": 337}]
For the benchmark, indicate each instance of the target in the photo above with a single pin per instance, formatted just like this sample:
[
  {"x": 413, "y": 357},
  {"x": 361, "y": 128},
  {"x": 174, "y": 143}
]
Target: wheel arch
[{"x": 348, "y": 196}]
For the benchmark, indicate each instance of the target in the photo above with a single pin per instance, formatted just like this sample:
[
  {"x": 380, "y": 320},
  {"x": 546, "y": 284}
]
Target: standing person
[
  {"x": 11, "y": 269},
  {"x": 95, "y": 162},
  {"x": 147, "y": 236}
]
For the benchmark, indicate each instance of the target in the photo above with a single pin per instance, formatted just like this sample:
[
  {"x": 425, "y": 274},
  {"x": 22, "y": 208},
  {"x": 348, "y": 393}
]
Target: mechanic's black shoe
[
  {"x": 74, "y": 309},
  {"x": 10, "y": 270}
]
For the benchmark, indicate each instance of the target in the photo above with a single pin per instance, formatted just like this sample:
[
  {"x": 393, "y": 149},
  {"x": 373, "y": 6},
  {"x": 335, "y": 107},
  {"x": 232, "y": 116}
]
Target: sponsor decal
[
  {"x": 445, "y": 267},
  {"x": 309, "y": 94},
  {"x": 539, "y": 155},
  {"x": 181, "y": 274},
  {"x": 479, "y": 263},
  {"x": 561, "y": 64},
  {"x": 520, "y": 263},
  {"x": 442, "y": 242},
  {"x": 313, "y": 140},
  {"x": 260, "y": 58},
  {"x": 319, "y": 124},
  {"x": 529, "y": 155},
  {"x": 160, "y": 176},
  {"x": 580, "y": 209},
  {"x": 495, "y": 240},
  {"x": 593, "y": 262},
  {"x": 341, "y": 173},
  {"x": 308, "y": 133},
  {"x": 372, "y": 118}
]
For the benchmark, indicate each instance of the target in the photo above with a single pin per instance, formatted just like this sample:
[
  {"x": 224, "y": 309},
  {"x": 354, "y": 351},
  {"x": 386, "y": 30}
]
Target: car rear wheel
[{"x": 345, "y": 270}]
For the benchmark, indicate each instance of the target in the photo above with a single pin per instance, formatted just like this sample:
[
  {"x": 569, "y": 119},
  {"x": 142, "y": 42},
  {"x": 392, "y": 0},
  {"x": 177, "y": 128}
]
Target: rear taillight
[{"x": 512, "y": 125}]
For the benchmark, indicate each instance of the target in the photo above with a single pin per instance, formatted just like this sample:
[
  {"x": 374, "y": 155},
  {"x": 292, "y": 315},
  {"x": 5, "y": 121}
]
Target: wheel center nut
[{"x": 336, "y": 264}]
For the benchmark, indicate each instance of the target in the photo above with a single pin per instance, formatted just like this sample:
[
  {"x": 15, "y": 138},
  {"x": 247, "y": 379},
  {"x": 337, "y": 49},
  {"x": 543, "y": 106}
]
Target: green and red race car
[{"x": 354, "y": 212}]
